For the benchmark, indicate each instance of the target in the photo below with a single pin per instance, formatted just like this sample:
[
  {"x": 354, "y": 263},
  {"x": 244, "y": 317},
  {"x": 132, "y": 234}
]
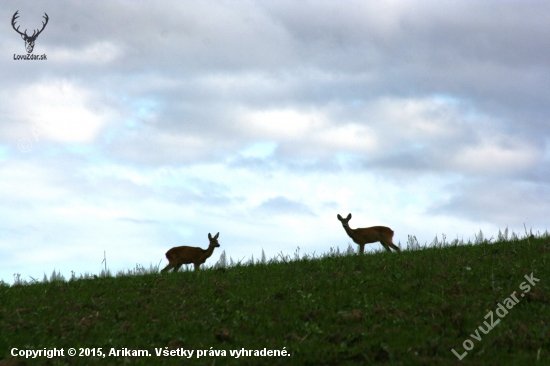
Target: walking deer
[
  {"x": 179, "y": 256},
  {"x": 369, "y": 235}
]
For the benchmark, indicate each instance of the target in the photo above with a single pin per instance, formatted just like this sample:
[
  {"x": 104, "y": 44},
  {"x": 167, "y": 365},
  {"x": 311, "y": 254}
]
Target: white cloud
[
  {"x": 493, "y": 156},
  {"x": 287, "y": 124},
  {"x": 351, "y": 137},
  {"x": 59, "y": 111}
]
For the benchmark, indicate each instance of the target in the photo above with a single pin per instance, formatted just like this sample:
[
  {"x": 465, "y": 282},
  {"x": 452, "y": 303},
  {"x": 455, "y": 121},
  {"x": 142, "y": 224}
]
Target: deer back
[
  {"x": 373, "y": 234},
  {"x": 186, "y": 255}
]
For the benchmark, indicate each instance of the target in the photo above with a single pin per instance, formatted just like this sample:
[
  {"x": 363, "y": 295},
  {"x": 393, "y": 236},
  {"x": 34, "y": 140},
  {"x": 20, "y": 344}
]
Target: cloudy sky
[{"x": 152, "y": 124}]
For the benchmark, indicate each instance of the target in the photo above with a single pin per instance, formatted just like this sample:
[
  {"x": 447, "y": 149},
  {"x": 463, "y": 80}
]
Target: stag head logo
[{"x": 29, "y": 40}]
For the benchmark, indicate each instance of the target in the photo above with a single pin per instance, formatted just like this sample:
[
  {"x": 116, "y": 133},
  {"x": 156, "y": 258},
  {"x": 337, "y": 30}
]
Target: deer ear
[
  {"x": 209, "y": 236},
  {"x": 218, "y": 234},
  {"x": 349, "y": 217},
  {"x": 339, "y": 217}
]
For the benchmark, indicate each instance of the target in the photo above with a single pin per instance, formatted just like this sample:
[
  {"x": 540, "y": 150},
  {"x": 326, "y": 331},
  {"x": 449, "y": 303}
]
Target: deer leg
[
  {"x": 385, "y": 245},
  {"x": 177, "y": 268},
  {"x": 389, "y": 244},
  {"x": 196, "y": 266},
  {"x": 167, "y": 268},
  {"x": 361, "y": 248},
  {"x": 395, "y": 247}
]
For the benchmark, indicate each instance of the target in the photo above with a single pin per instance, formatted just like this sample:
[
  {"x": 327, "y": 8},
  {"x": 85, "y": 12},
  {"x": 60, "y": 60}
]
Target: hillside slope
[{"x": 409, "y": 308}]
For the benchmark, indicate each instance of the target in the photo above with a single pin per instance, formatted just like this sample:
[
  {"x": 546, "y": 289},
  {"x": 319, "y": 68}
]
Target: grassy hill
[{"x": 409, "y": 308}]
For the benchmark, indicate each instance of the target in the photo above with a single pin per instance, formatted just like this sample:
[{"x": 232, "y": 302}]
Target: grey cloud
[
  {"x": 283, "y": 206},
  {"x": 214, "y": 59},
  {"x": 505, "y": 201}
]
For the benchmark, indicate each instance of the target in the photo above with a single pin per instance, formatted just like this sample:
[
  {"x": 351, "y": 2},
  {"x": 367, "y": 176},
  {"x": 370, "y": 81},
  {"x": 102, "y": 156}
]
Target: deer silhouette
[
  {"x": 369, "y": 235},
  {"x": 178, "y": 256}
]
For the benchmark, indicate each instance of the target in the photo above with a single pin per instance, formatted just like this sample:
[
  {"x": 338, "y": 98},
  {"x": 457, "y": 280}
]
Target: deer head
[{"x": 29, "y": 40}]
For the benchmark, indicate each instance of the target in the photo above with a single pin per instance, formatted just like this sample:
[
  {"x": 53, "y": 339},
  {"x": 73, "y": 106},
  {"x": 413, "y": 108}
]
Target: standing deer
[
  {"x": 178, "y": 256},
  {"x": 369, "y": 235}
]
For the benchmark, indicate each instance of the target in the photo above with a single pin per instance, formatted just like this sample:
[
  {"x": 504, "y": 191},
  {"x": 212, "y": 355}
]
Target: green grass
[{"x": 408, "y": 308}]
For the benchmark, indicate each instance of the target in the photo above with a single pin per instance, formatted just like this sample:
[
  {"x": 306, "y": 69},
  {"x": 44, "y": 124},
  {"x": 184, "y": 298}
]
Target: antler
[
  {"x": 43, "y": 25},
  {"x": 34, "y": 34},
  {"x": 15, "y": 16}
]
